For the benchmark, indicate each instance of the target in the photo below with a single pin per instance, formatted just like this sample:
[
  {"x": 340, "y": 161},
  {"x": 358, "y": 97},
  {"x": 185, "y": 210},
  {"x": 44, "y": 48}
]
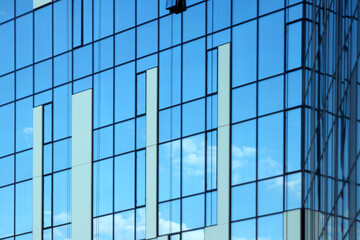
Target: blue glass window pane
[
  {"x": 197, "y": 234},
  {"x": 243, "y": 152},
  {"x": 24, "y": 40},
  {"x": 211, "y": 160},
  {"x": 194, "y": 22},
  {"x": 7, "y": 89},
  {"x": 88, "y": 20},
  {"x": 103, "y": 54},
  {"x": 125, "y": 92},
  {"x": 170, "y": 31},
  {"x": 47, "y": 234},
  {"x": 211, "y": 112},
  {"x": 61, "y": 197},
  {"x": 293, "y": 191},
  {"x": 212, "y": 71},
  {"x": 7, "y": 211},
  {"x": 43, "y": 76},
  {"x": 193, "y": 165},
  {"x": 7, "y": 10},
  {"x": 103, "y": 187},
  {"x": 82, "y": 84},
  {"x": 103, "y": 143},
  {"x": 24, "y": 237},
  {"x": 141, "y": 94},
  {"x": 7, "y": 47},
  {"x": 23, "y": 6},
  {"x": 270, "y": 146},
  {"x": 244, "y": 103},
  {"x": 47, "y": 214},
  {"x": 194, "y": 70},
  {"x": 62, "y": 111},
  {"x": 6, "y": 170},
  {"x": 170, "y": 77},
  {"x": 24, "y": 124},
  {"x": 125, "y": 46},
  {"x": 266, "y": 6},
  {"x": 82, "y": 62},
  {"x": 271, "y": 95},
  {"x": 62, "y": 69},
  {"x": 47, "y": 158},
  {"x": 62, "y": 26},
  {"x": 24, "y": 163},
  {"x": 146, "y": 10},
  {"x": 7, "y": 129},
  {"x": 294, "y": 45},
  {"x": 147, "y": 38},
  {"x": 243, "y": 10},
  {"x": 244, "y": 53},
  {"x": 169, "y": 171},
  {"x": 62, "y": 232},
  {"x": 124, "y": 14},
  {"x": 169, "y": 217},
  {"x": 146, "y": 63},
  {"x": 103, "y": 18},
  {"x": 271, "y": 45},
  {"x": 193, "y": 212},
  {"x": 77, "y": 19},
  {"x": 43, "y": 33},
  {"x": 219, "y": 14},
  {"x": 169, "y": 124},
  {"x": 124, "y": 137},
  {"x": 140, "y": 223},
  {"x": 103, "y": 98},
  {"x": 243, "y": 202},
  {"x": 271, "y": 227},
  {"x": 124, "y": 225},
  {"x": 270, "y": 196},
  {"x": 24, "y": 206},
  {"x": 24, "y": 82},
  {"x": 243, "y": 230},
  {"x": 293, "y": 140},
  {"x": 140, "y": 132},
  {"x": 193, "y": 117},
  {"x": 125, "y": 182},
  {"x": 48, "y": 126},
  {"x": 293, "y": 89},
  {"x": 100, "y": 232},
  {"x": 62, "y": 154},
  {"x": 140, "y": 178}
]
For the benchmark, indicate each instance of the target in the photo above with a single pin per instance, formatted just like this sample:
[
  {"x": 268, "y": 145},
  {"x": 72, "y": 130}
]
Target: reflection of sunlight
[{"x": 28, "y": 130}]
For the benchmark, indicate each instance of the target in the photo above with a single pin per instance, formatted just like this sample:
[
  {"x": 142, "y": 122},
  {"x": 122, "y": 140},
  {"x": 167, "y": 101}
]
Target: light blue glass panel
[
  {"x": 23, "y": 218},
  {"x": 43, "y": 76},
  {"x": 62, "y": 26},
  {"x": 270, "y": 196},
  {"x": 194, "y": 22},
  {"x": 169, "y": 124},
  {"x": 103, "y": 143},
  {"x": 124, "y": 225},
  {"x": 24, "y": 165},
  {"x": 193, "y": 212},
  {"x": 147, "y": 39},
  {"x": 103, "y": 187},
  {"x": 211, "y": 208},
  {"x": 193, "y": 165},
  {"x": 243, "y": 201},
  {"x": 219, "y": 14},
  {"x": 24, "y": 82},
  {"x": 193, "y": 123},
  {"x": 7, "y": 10},
  {"x": 169, "y": 217},
  {"x": 47, "y": 158},
  {"x": 293, "y": 140},
  {"x": 24, "y": 40},
  {"x": 271, "y": 45},
  {"x": 82, "y": 84},
  {"x": 243, "y": 10},
  {"x": 125, "y": 46},
  {"x": 140, "y": 178},
  {"x": 62, "y": 154},
  {"x": 124, "y": 14},
  {"x": 48, "y": 126},
  {"x": 62, "y": 197},
  {"x": 294, "y": 45},
  {"x": 125, "y": 182},
  {"x": 266, "y": 6},
  {"x": 244, "y": 53},
  {"x": 271, "y": 95},
  {"x": 293, "y": 91},
  {"x": 88, "y": 20},
  {"x": 103, "y": 54},
  {"x": 146, "y": 63},
  {"x": 47, "y": 214},
  {"x": 43, "y": 98},
  {"x": 194, "y": 70},
  {"x": 211, "y": 112},
  {"x": 244, "y": 230},
  {"x": 7, "y": 129},
  {"x": 62, "y": 112},
  {"x": 24, "y": 124},
  {"x": 146, "y": 10},
  {"x": 271, "y": 227},
  {"x": 62, "y": 232},
  {"x": 141, "y": 94},
  {"x": 125, "y": 92},
  {"x": 7, "y": 47},
  {"x": 7, "y": 86},
  {"x": 140, "y": 132},
  {"x": 43, "y": 33},
  {"x": 7, "y": 170},
  {"x": 62, "y": 69},
  {"x": 197, "y": 234},
  {"x": 103, "y": 18},
  {"x": 270, "y": 146},
  {"x": 124, "y": 137},
  {"x": 170, "y": 31},
  {"x": 293, "y": 191},
  {"x": 244, "y": 103},
  {"x": 82, "y": 61},
  {"x": 103, "y": 98},
  {"x": 47, "y": 234},
  {"x": 103, "y": 228},
  {"x": 212, "y": 71},
  {"x": 77, "y": 19},
  {"x": 24, "y": 237},
  {"x": 140, "y": 223},
  {"x": 169, "y": 170},
  {"x": 23, "y": 6},
  {"x": 211, "y": 160},
  {"x": 7, "y": 211}
]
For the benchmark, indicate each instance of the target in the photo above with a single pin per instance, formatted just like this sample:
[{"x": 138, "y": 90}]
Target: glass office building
[{"x": 232, "y": 120}]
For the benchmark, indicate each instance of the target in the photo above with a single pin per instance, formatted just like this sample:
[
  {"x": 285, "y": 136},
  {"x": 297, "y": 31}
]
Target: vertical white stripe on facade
[
  {"x": 292, "y": 225},
  {"x": 222, "y": 229},
  {"x": 81, "y": 184},
  {"x": 40, "y": 3},
  {"x": 151, "y": 152},
  {"x": 38, "y": 133}
]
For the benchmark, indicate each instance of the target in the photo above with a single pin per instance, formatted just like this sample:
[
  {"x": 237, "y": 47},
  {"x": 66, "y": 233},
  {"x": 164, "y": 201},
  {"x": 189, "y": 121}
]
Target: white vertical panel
[
  {"x": 151, "y": 152},
  {"x": 292, "y": 225},
  {"x": 222, "y": 229},
  {"x": 40, "y": 3},
  {"x": 81, "y": 184},
  {"x": 38, "y": 136}
]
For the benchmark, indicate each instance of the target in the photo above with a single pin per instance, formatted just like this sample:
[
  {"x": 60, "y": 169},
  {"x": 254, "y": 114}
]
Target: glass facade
[{"x": 294, "y": 125}]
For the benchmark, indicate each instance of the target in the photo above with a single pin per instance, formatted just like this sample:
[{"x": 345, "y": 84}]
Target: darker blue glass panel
[
  {"x": 43, "y": 33},
  {"x": 24, "y": 40}
]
